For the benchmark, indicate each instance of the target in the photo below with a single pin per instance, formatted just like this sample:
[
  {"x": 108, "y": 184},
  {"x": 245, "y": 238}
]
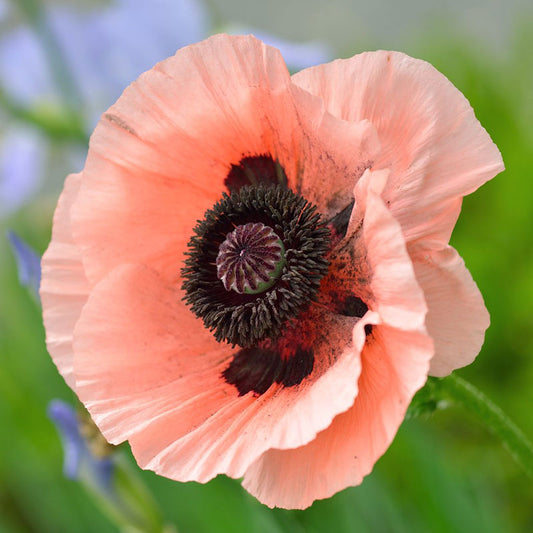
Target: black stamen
[{"x": 246, "y": 319}]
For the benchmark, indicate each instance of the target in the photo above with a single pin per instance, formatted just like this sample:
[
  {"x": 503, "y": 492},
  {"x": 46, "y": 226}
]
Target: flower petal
[
  {"x": 457, "y": 317},
  {"x": 334, "y": 155},
  {"x": 297, "y": 54},
  {"x": 64, "y": 289},
  {"x": 394, "y": 368},
  {"x": 431, "y": 140},
  {"x": 148, "y": 371},
  {"x": 160, "y": 155},
  {"x": 374, "y": 258},
  {"x": 395, "y": 363}
]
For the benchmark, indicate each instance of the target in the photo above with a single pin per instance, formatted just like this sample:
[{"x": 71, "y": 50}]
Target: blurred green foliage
[{"x": 444, "y": 474}]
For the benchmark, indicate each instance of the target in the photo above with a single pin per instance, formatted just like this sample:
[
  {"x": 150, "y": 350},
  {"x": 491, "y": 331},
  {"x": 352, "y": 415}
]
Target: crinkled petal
[
  {"x": 148, "y": 371},
  {"x": 431, "y": 141},
  {"x": 395, "y": 292},
  {"x": 64, "y": 288},
  {"x": 395, "y": 363},
  {"x": 297, "y": 54},
  {"x": 375, "y": 264},
  {"x": 160, "y": 155},
  {"x": 394, "y": 368},
  {"x": 457, "y": 317},
  {"x": 334, "y": 155}
]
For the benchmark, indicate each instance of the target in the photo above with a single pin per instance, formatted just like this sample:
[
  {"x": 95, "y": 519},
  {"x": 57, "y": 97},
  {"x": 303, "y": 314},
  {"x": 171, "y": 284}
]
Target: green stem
[
  {"x": 459, "y": 391},
  {"x": 131, "y": 505},
  {"x": 60, "y": 124},
  {"x": 115, "y": 484}
]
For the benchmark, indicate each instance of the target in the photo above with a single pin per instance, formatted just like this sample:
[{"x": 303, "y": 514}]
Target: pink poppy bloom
[{"x": 251, "y": 276}]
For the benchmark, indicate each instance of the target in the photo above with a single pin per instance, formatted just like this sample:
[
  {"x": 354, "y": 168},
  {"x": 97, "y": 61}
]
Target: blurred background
[{"x": 63, "y": 63}]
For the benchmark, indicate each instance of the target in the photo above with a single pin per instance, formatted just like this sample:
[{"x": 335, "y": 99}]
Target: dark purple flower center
[{"x": 255, "y": 262}]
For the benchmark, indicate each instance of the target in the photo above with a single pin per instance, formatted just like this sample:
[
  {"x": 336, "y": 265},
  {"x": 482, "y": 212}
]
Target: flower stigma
[{"x": 251, "y": 259}]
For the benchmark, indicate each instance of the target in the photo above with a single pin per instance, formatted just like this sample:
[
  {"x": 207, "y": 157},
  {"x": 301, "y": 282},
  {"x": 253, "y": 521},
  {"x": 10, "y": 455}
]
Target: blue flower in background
[
  {"x": 22, "y": 155},
  {"x": 79, "y": 461},
  {"x": 28, "y": 263},
  {"x": 109, "y": 478},
  {"x": 24, "y": 75}
]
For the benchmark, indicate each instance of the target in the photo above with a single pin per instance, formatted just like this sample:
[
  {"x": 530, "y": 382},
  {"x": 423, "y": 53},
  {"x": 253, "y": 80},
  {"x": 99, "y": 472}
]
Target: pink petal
[
  {"x": 393, "y": 290},
  {"x": 431, "y": 141},
  {"x": 457, "y": 317},
  {"x": 64, "y": 288},
  {"x": 334, "y": 155},
  {"x": 395, "y": 363},
  {"x": 159, "y": 156},
  {"x": 394, "y": 367},
  {"x": 149, "y": 372}
]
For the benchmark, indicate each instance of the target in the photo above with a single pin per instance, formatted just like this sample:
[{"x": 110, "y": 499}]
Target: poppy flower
[{"x": 251, "y": 276}]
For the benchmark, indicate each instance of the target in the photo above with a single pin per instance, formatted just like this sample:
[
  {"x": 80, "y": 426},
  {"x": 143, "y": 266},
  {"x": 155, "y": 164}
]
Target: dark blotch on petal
[
  {"x": 299, "y": 366},
  {"x": 354, "y": 306},
  {"x": 256, "y": 369},
  {"x": 346, "y": 304},
  {"x": 255, "y": 170},
  {"x": 339, "y": 223},
  {"x": 368, "y": 329}
]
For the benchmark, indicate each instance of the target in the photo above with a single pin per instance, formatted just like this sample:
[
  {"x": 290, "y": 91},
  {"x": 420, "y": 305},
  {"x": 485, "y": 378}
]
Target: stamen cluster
[{"x": 241, "y": 318}]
